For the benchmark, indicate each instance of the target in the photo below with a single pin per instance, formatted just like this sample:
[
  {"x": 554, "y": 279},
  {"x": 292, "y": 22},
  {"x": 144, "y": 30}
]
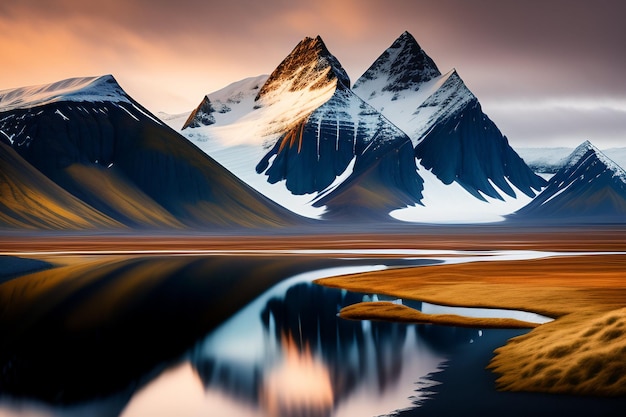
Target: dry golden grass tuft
[
  {"x": 386, "y": 311},
  {"x": 583, "y": 351}
]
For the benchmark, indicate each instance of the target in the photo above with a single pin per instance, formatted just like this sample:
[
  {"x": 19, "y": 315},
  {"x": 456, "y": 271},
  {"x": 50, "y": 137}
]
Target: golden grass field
[{"x": 583, "y": 351}]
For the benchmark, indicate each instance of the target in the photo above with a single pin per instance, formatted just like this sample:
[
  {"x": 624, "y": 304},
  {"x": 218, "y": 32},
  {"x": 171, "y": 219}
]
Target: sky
[{"x": 547, "y": 72}]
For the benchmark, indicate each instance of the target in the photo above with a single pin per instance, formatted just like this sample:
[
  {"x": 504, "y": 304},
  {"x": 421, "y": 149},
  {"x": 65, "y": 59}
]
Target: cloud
[
  {"x": 557, "y": 122},
  {"x": 169, "y": 54}
]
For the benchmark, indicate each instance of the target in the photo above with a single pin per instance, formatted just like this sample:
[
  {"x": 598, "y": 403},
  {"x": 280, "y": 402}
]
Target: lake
[{"x": 240, "y": 335}]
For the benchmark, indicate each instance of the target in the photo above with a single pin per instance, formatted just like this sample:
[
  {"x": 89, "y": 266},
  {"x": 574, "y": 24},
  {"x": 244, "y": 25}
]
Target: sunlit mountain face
[
  {"x": 88, "y": 137},
  {"x": 315, "y": 146},
  {"x": 405, "y": 141}
]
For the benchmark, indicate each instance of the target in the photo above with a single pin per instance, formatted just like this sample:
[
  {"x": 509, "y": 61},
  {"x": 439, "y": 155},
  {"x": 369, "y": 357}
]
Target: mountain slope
[
  {"x": 589, "y": 187},
  {"x": 29, "y": 200},
  {"x": 309, "y": 137},
  {"x": 452, "y": 137},
  {"x": 92, "y": 139},
  {"x": 550, "y": 160}
]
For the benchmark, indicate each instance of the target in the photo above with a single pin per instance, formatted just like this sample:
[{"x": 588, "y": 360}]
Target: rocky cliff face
[
  {"x": 309, "y": 66},
  {"x": 404, "y": 66},
  {"x": 202, "y": 115},
  {"x": 341, "y": 140},
  {"x": 451, "y": 134}
]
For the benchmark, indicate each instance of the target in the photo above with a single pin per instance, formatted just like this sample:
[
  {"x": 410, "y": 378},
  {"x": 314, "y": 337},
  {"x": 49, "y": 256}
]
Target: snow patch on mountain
[
  {"x": 239, "y": 158},
  {"x": 403, "y": 66},
  {"x": 240, "y": 119},
  {"x": 416, "y": 112},
  {"x": 90, "y": 89},
  {"x": 586, "y": 151},
  {"x": 550, "y": 160},
  {"x": 452, "y": 204},
  {"x": 589, "y": 187}
]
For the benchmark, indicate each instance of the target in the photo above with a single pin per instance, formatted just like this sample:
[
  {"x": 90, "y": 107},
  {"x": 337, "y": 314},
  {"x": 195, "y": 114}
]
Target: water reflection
[
  {"x": 94, "y": 338},
  {"x": 89, "y": 330},
  {"x": 237, "y": 336},
  {"x": 314, "y": 363}
]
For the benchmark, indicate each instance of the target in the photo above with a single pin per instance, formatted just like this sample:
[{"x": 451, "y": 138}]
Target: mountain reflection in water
[
  {"x": 94, "y": 337},
  {"x": 314, "y": 363}
]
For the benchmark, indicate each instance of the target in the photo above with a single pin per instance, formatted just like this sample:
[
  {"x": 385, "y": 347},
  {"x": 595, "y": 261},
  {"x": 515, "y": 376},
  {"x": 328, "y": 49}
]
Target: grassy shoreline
[{"x": 583, "y": 351}]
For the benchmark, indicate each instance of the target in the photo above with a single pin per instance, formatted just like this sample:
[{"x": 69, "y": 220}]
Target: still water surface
[{"x": 237, "y": 336}]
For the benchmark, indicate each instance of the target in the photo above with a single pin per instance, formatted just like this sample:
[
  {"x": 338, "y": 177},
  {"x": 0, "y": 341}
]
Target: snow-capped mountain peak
[
  {"x": 309, "y": 66},
  {"x": 95, "y": 89},
  {"x": 589, "y": 186},
  {"x": 587, "y": 151},
  {"x": 403, "y": 66},
  {"x": 226, "y": 105},
  {"x": 451, "y": 96}
]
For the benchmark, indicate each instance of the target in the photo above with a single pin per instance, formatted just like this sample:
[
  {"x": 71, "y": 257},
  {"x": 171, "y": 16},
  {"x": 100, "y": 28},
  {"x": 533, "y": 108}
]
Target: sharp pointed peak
[
  {"x": 201, "y": 115},
  {"x": 586, "y": 145},
  {"x": 404, "y": 65},
  {"x": 581, "y": 150},
  {"x": 406, "y": 37},
  {"x": 309, "y": 65},
  {"x": 585, "y": 150},
  {"x": 312, "y": 41}
]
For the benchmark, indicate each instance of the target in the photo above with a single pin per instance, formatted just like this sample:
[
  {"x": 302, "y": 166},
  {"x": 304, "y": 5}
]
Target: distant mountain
[
  {"x": 550, "y": 160},
  {"x": 315, "y": 146},
  {"x": 451, "y": 135},
  {"x": 545, "y": 160},
  {"x": 590, "y": 187},
  {"x": 98, "y": 144}
]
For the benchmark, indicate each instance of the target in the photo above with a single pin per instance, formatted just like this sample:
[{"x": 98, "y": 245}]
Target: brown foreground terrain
[{"x": 324, "y": 237}]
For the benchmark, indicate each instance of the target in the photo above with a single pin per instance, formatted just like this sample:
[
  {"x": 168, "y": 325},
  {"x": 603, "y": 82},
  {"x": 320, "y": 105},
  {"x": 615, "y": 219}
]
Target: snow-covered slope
[
  {"x": 94, "y": 141},
  {"x": 303, "y": 138},
  {"x": 550, "y": 160},
  {"x": 452, "y": 204},
  {"x": 94, "y": 89},
  {"x": 453, "y": 138},
  {"x": 589, "y": 187}
]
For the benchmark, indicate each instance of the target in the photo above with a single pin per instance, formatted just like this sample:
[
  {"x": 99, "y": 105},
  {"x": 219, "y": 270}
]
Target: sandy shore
[
  {"x": 582, "y": 351},
  {"x": 484, "y": 237}
]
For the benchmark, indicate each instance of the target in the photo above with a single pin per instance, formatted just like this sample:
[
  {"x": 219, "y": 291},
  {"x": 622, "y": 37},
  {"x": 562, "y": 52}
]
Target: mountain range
[
  {"x": 84, "y": 154},
  {"x": 405, "y": 142}
]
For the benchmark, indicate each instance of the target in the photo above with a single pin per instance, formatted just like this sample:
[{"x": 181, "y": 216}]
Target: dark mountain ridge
[
  {"x": 589, "y": 188},
  {"x": 451, "y": 134},
  {"x": 104, "y": 148}
]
